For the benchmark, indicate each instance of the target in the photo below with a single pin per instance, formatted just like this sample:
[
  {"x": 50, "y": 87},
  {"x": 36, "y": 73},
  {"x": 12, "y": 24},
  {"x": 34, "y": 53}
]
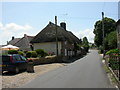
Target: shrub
[
  {"x": 28, "y": 54},
  {"x": 20, "y": 53},
  {"x": 34, "y": 54},
  {"x": 100, "y": 49},
  {"x": 86, "y": 47},
  {"x": 12, "y": 52},
  {"x": 31, "y": 54},
  {"x": 112, "y": 51},
  {"x": 41, "y": 52}
]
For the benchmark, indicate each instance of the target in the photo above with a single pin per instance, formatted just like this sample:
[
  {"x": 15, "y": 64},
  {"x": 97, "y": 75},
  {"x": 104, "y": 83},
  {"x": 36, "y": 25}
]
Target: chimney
[
  {"x": 63, "y": 25},
  {"x": 50, "y": 22},
  {"x": 13, "y": 37},
  {"x": 25, "y": 35}
]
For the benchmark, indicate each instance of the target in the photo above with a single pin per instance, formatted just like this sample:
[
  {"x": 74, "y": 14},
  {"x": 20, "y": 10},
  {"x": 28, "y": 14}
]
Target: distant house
[
  {"x": 118, "y": 33},
  {"x": 23, "y": 43},
  {"x": 46, "y": 39}
]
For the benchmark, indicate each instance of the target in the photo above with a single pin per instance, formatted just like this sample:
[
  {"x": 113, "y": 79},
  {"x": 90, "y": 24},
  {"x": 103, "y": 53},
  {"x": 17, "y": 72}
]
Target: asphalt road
[{"x": 87, "y": 72}]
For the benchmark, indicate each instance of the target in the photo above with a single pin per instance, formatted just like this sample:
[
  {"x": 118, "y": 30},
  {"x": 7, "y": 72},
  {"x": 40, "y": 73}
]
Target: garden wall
[{"x": 45, "y": 60}]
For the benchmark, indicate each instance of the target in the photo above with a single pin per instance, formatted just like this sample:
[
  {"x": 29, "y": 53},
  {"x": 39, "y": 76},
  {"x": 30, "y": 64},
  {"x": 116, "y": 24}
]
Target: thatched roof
[
  {"x": 48, "y": 34},
  {"x": 12, "y": 42},
  {"x": 23, "y": 43}
]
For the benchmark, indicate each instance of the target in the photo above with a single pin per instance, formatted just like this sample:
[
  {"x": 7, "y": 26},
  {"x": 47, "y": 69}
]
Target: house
[
  {"x": 23, "y": 43},
  {"x": 118, "y": 33},
  {"x": 46, "y": 39}
]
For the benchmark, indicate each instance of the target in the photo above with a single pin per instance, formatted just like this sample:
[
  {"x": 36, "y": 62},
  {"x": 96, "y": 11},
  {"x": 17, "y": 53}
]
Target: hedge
[
  {"x": 31, "y": 54},
  {"x": 12, "y": 52},
  {"x": 41, "y": 52}
]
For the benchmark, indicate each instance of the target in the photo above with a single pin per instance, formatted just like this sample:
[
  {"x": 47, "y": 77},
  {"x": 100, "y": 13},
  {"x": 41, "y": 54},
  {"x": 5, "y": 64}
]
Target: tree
[
  {"x": 109, "y": 26},
  {"x": 80, "y": 41},
  {"x": 85, "y": 44},
  {"x": 111, "y": 40}
]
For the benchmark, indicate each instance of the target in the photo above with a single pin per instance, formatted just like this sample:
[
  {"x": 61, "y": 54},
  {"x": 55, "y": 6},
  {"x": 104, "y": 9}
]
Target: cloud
[
  {"x": 1, "y": 25},
  {"x": 85, "y": 33},
  {"x": 13, "y": 29}
]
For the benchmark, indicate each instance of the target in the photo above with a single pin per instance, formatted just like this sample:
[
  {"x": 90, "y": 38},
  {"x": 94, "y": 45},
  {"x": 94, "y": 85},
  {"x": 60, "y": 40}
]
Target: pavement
[{"x": 86, "y": 72}]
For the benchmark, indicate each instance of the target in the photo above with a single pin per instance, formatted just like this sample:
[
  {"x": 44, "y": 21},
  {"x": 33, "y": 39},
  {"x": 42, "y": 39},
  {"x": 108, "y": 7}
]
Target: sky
[{"x": 19, "y": 18}]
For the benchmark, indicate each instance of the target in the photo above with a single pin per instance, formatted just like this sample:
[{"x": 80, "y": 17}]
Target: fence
[{"x": 114, "y": 64}]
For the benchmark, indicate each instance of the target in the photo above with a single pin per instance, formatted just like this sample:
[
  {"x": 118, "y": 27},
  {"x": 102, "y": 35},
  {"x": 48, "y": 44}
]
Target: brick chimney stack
[{"x": 63, "y": 25}]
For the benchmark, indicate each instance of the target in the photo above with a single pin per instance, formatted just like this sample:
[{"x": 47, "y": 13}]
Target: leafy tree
[
  {"x": 109, "y": 26},
  {"x": 111, "y": 40},
  {"x": 80, "y": 41},
  {"x": 85, "y": 44}
]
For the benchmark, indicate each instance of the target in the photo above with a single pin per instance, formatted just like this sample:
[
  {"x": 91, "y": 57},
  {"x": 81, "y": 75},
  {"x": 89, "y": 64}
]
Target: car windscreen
[{"x": 5, "y": 58}]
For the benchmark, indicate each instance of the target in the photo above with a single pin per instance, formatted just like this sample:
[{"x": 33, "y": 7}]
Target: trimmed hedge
[
  {"x": 41, "y": 52},
  {"x": 112, "y": 51},
  {"x": 31, "y": 54},
  {"x": 21, "y": 53},
  {"x": 12, "y": 52}
]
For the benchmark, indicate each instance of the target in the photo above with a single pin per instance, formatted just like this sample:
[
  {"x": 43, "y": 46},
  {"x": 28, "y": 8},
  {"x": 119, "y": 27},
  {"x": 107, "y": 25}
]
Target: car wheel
[{"x": 16, "y": 70}]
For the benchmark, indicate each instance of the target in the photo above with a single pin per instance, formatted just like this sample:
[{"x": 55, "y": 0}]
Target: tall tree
[
  {"x": 109, "y": 26},
  {"x": 111, "y": 40},
  {"x": 85, "y": 44}
]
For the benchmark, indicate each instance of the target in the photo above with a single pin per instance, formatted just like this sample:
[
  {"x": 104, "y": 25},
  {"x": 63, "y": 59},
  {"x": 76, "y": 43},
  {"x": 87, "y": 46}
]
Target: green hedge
[
  {"x": 12, "y": 52},
  {"x": 41, "y": 52},
  {"x": 21, "y": 53},
  {"x": 31, "y": 54},
  {"x": 112, "y": 51}
]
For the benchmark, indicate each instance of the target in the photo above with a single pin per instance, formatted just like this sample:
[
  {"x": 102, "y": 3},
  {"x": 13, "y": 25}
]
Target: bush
[
  {"x": 28, "y": 54},
  {"x": 34, "y": 54},
  {"x": 41, "y": 52},
  {"x": 20, "y": 53},
  {"x": 31, "y": 54},
  {"x": 12, "y": 52},
  {"x": 112, "y": 51},
  {"x": 86, "y": 47},
  {"x": 100, "y": 49}
]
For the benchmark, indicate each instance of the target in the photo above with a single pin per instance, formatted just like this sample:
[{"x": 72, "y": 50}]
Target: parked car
[{"x": 13, "y": 63}]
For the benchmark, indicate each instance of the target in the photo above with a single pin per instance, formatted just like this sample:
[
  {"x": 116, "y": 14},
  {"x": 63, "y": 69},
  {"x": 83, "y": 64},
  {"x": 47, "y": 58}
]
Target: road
[{"x": 87, "y": 72}]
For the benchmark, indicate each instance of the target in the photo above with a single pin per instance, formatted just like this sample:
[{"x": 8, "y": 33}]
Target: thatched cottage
[
  {"x": 23, "y": 43},
  {"x": 46, "y": 39}
]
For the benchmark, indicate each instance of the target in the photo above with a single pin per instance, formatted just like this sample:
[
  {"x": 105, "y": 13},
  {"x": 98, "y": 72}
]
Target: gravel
[{"x": 10, "y": 80}]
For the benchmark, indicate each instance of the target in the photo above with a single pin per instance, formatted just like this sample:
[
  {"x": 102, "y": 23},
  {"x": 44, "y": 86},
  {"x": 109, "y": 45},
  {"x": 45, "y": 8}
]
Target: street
[{"x": 86, "y": 72}]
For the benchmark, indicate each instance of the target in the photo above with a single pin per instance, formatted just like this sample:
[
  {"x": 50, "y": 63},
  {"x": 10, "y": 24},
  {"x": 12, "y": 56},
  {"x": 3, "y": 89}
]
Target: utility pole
[
  {"x": 103, "y": 34},
  {"x": 56, "y": 36}
]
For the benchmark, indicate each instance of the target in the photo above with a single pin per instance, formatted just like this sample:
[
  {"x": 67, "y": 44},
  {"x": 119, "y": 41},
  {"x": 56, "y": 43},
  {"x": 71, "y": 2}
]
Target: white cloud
[
  {"x": 1, "y": 25},
  {"x": 85, "y": 33},
  {"x": 13, "y": 29}
]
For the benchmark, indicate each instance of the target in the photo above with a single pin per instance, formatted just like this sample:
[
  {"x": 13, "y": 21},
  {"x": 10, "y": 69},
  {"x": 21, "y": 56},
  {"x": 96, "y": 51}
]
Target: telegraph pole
[
  {"x": 103, "y": 34},
  {"x": 56, "y": 36}
]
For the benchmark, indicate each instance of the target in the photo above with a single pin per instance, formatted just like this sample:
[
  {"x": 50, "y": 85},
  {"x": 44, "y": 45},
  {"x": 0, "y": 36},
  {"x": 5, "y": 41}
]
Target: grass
[{"x": 106, "y": 69}]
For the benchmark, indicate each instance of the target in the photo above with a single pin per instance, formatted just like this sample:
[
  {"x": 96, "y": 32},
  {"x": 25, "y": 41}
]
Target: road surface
[{"x": 87, "y": 72}]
